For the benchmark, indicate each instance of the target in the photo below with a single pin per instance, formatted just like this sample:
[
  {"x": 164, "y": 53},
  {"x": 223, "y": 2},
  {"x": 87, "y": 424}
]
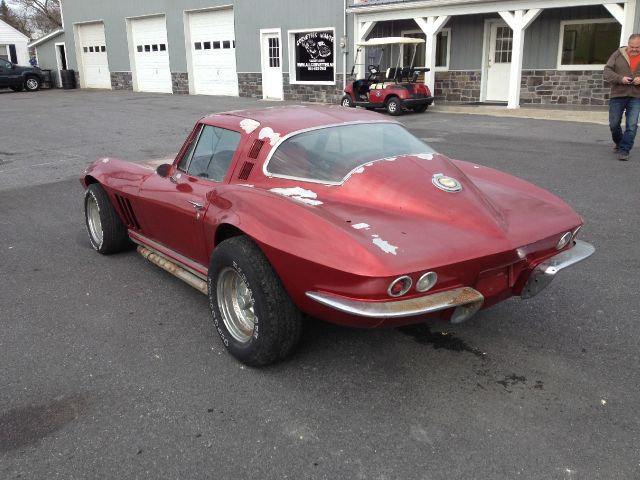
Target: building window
[
  {"x": 587, "y": 44},
  {"x": 4, "y": 52},
  {"x": 443, "y": 47},
  {"x": 312, "y": 56}
]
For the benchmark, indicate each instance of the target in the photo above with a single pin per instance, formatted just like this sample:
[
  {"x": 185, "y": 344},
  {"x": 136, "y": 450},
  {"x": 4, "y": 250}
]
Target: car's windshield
[{"x": 329, "y": 154}]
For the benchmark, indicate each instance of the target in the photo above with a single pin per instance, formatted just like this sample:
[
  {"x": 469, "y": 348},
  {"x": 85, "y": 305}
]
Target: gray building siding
[{"x": 249, "y": 19}]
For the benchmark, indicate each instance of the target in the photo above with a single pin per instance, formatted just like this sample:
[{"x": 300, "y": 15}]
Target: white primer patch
[
  {"x": 359, "y": 170},
  {"x": 385, "y": 246},
  {"x": 360, "y": 226},
  {"x": 391, "y": 159},
  {"x": 249, "y": 125},
  {"x": 299, "y": 194},
  {"x": 245, "y": 185},
  {"x": 267, "y": 132},
  {"x": 476, "y": 166},
  {"x": 425, "y": 156},
  {"x": 105, "y": 160}
]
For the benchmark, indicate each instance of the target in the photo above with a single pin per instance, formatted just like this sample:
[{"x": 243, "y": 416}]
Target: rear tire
[
  {"x": 394, "y": 106},
  {"x": 347, "y": 102},
  {"x": 252, "y": 312},
  {"x": 17, "y": 88},
  {"x": 32, "y": 84},
  {"x": 107, "y": 233}
]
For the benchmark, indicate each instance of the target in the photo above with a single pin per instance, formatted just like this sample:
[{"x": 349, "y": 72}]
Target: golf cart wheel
[
  {"x": 394, "y": 107},
  {"x": 347, "y": 102},
  {"x": 420, "y": 108}
]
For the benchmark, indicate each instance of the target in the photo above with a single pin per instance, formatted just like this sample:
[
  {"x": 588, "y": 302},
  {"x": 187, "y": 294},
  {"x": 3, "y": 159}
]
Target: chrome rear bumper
[
  {"x": 544, "y": 273},
  {"x": 467, "y": 300}
]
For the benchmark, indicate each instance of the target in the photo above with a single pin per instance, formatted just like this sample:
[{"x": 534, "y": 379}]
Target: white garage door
[
  {"x": 151, "y": 54},
  {"x": 93, "y": 50},
  {"x": 213, "y": 53}
]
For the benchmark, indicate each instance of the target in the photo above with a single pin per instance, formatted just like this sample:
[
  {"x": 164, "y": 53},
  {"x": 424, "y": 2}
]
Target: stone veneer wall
[
  {"x": 121, "y": 80},
  {"x": 180, "y": 82},
  {"x": 562, "y": 87},
  {"x": 250, "y": 85},
  {"x": 458, "y": 86}
]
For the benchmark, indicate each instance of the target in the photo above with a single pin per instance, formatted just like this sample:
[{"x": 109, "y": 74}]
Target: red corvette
[{"x": 338, "y": 213}]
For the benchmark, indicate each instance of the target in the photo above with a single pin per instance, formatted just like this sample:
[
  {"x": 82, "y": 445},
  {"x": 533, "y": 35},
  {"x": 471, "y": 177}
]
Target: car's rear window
[{"x": 329, "y": 154}]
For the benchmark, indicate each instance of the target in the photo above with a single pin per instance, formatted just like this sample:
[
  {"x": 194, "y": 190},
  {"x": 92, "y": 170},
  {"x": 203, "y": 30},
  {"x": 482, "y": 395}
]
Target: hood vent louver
[
  {"x": 255, "y": 148},
  {"x": 246, "y": 170},
  {"x": 127, "y": 212}
]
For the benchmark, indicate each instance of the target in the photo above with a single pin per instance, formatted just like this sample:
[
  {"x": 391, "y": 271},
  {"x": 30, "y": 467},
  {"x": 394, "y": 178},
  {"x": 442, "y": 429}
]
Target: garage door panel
[
  {"x": 95, "y": 62},
  {"x": 151, "y": 54},
  {"x": 213, "y": 53}
]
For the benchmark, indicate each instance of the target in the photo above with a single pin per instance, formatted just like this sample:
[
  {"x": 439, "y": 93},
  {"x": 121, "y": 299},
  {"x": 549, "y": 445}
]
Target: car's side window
[
  {"x": 213, "y": 153},
  {"x": 184, "y": 161}
]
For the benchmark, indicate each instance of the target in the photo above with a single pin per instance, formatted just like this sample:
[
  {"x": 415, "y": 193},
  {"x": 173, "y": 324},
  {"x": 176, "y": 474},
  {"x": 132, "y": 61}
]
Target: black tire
[
  {"x": 420, "y": 108},
  {"x": 394, "y": 106},
  {"x": 17, "y": 88},
  {"x": 106, "y": 231},
  {"x": 346, "y": 101},
  {"x": 253, "y": 314},
  {"x": 32, "y": 84}
]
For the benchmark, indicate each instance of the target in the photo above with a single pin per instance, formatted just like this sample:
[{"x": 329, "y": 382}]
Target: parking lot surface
[{"x": 111, "y": 368}]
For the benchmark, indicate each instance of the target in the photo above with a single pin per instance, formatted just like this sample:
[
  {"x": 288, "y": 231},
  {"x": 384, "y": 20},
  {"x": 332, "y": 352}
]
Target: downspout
[{"x": 344, "y": 50}]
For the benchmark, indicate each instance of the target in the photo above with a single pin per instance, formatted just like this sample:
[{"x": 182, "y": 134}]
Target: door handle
[{"x": 196, "y": 205}]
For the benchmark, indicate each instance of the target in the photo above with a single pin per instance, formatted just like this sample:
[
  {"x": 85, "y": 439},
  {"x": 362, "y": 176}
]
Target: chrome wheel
[
  {"x": 93, "y": 221},
  {"x": 32, "y": 84},
  {"x": 235, "y": 302}
]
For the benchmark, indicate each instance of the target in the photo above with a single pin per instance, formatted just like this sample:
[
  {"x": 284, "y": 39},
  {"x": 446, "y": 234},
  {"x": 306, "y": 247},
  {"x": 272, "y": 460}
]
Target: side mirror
[{"x": 163, "y": 170}]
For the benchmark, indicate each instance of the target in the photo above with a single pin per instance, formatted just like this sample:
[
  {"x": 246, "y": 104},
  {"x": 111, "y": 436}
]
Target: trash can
[
  {"x": 68, "y": 79},
  {"x": 47, "y": 81}
]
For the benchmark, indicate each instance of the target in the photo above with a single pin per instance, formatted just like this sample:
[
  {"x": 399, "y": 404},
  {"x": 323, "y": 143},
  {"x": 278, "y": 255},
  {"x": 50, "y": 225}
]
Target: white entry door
[
  {"x": 93, "y": 52},
  {"x": 499, "y": 62},
  {"x": 213, "y": 52},
  {"x": 271, "y": 66},
  {"x": 151, "y": 55}
]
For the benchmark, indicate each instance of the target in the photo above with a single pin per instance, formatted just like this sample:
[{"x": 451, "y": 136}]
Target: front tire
[
  {"x": 253, "y": 314},
  {"x": 32, "y": 84},
  {"x": 106, "y": 231},
  {"x": 394, "y": 106},
  {"x": 347, "y": 102}
]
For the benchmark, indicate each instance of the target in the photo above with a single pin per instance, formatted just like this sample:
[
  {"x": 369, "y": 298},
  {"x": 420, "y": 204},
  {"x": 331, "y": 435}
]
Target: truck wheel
[
  {"x": 106, "y": 232},
  {"x": 347, "y": 102},
  {"x": 32, "y": 84},
  {"x": 394, "y": 107},
  {"x": 420, "y": 108},
  {"x": 252, "y": 312}
]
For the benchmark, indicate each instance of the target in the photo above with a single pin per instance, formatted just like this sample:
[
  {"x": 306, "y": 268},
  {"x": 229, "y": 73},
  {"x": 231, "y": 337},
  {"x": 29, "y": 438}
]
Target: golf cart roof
[{"x": 390, "y": 41}]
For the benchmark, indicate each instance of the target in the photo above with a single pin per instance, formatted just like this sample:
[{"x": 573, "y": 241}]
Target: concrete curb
[{"x": 599, "y": 117}]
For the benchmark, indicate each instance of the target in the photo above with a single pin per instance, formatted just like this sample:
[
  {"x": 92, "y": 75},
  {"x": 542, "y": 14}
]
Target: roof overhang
[
  {"x": 390, "y": 41},
  {"x": 48, "y": 36}
]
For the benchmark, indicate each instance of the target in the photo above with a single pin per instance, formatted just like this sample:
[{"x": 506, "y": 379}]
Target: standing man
[{"x": 622, "y": 71}]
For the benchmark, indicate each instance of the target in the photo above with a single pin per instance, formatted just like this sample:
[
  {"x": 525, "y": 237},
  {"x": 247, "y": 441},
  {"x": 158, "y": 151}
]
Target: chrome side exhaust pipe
[{"x": 174, "y": 269}]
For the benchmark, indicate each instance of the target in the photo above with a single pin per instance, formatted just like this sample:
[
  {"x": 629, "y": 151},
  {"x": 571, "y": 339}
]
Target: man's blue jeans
[{"x": 618, "y": 106}]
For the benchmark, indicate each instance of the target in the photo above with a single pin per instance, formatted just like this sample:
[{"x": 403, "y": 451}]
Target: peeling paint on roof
[
  {"x": 299, "y": 194},
  {"x": 360, "y": 226},
  {"x": 359, "y": 170},
  {"x": 425, "y": 156},
  {"x": 267, "y": 132},
  {"x": 105, "y": 160},
  {"x": 390, "y": 159},
  {"x": 476, "y": 166},
  {"x": 245, "y": 185},
  {"x": 384, "y": 245},
  {"x": 249, "y": 125}
]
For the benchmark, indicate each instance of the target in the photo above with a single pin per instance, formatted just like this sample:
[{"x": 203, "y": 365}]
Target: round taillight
[
  {"x": 399, "y": 286},
  {"x": 575, "y": 232},
  {"x": 564, "y": 240},
  {"x": 426, "y": 281}
]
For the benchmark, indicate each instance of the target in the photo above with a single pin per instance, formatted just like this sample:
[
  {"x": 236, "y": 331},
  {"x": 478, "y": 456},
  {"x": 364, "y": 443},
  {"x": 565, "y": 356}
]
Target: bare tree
[
  {"x": 17, "y": 18},
  {"x": 40, "y": 16}
]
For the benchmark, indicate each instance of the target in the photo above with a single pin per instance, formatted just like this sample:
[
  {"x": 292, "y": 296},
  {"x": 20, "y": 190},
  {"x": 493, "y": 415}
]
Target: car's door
[
  {"x": 5, "y": 73},
  {"x": 174, "y": 207}
]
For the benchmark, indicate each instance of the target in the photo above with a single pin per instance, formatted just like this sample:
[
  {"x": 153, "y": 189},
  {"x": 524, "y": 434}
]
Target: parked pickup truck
[{"x": 18, "y": 77}]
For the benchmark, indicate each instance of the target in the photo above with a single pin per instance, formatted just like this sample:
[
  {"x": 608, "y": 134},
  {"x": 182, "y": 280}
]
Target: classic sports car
[{"x": 338, "y": 213}]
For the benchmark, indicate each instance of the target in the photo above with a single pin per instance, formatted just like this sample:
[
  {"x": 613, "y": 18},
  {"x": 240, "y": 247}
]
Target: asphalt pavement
[{"x": 111, "y": 368}]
